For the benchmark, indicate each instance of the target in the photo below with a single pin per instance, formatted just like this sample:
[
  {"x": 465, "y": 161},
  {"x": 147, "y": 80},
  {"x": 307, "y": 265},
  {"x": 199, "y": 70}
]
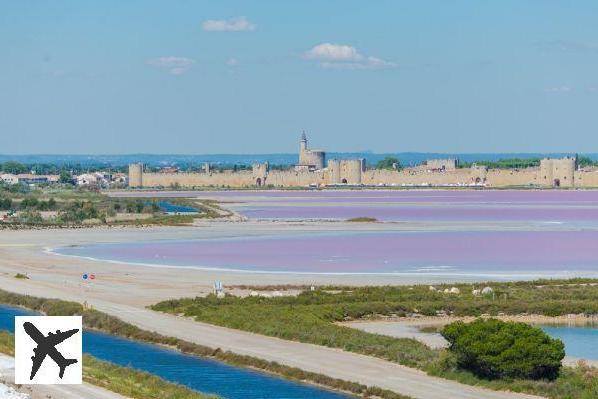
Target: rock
[
  {"x": 476, "y": 292},
  {"x": 487, "y": 291},
  {"x": 455, "y": 290},
  {"x": 254, "y": 293}
]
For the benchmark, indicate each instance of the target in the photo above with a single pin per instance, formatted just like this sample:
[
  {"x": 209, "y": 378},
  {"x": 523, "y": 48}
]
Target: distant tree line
[
  {"x": 510, "y": 163},
  {"x": 389, "y": 163},
  {"x": 57, "y": 169},
  {"x": 585, "y": 161}
]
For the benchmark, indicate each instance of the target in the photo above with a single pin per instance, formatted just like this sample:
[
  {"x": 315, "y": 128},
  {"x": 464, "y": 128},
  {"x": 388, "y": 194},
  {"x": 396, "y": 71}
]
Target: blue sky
[{"x": 248, "y": 76}]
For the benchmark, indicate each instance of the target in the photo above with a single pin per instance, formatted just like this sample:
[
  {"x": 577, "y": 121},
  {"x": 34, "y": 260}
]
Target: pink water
[
  {"x": 475, "y": 254},
  {"x": 410, "y": 205}
]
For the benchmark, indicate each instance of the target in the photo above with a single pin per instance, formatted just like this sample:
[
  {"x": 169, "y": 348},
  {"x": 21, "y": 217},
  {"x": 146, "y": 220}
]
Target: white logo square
[{"x": 48, "y": 349}]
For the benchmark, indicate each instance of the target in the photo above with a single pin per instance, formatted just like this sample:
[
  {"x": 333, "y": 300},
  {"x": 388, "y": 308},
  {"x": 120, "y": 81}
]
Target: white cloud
[
  {"x": 237, "y": 24},
  {"x": 340, "y": 56},
  {"x": 333, "y": 52},
  {"x": 174, "y": 65},
  {"x": 232, "y": 61}
]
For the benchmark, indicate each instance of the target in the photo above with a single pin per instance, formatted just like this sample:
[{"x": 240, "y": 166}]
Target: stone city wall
[
  {"x": 417, "y": 176},
  {"x": 586, "y": 178},
  {"x": 511, "y": 177},
  {"x": 224, "y": 179},
  {"x": 551, "y": 173}
]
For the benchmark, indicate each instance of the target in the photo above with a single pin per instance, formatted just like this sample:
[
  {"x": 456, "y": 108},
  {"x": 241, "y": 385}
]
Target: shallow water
[
  {"x": 476, "y": 254},
  {"x": 201, "y": 374},
  {"x": 580, "y": 341},
  {"x": 410, "y": 205}
]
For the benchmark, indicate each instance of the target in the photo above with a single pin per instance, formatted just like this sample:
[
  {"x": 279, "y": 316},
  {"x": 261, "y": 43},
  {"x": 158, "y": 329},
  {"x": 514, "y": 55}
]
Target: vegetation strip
[
  {"x": 75, "y": 207},
  {"x": 125, "y": 381},
  {"x": 93, "y": 319},
  {"x": 310, "y": 317}
]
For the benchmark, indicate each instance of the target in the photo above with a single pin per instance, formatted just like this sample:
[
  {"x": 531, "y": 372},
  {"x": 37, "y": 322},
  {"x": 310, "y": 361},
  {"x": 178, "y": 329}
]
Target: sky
[{"x": 199, "y": 77}]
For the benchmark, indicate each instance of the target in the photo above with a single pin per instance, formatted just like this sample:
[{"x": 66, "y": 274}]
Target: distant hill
[{"x": 407, "y": 158}]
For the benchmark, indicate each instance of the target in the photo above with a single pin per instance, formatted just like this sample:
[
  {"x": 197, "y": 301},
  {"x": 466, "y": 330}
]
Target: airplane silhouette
[{"x": 47, "y": 346}]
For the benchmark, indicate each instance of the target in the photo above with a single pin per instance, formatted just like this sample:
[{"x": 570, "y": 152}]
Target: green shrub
[
  {"x": 30, "y": 217},
  {"x": 5, "y": 204},
  {"x": 29, "y": 202},
  {"x": 496, "y": 349},
  {"x": 390, "y": 163},
  {"x": 362, "y": 219},
  {"x": 78, "y": 211}
]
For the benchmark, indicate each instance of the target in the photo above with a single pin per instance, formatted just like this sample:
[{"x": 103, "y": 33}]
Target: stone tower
[
  {"x": 557, "y": 172},
  {"x": 314, "y": 159},
  {"x": 260, "y": 173},
  {"x": 334, "y": 171},
  {"x": 135, "y": 175},
  {"x": 303, "y": 143}
]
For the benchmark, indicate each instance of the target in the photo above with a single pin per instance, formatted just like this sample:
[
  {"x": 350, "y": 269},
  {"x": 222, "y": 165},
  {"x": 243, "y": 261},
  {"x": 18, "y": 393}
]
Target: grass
[
  {"x": 311, "y": 317},
  {"x": 290, "y": 319},
  {"x": 93, "y": 319},
  {"x": 133, "y": 383},
  {"x": 362, "y": 219},
  {"x": 126, "y": 381},
  {"x": 21, "y": 276}
]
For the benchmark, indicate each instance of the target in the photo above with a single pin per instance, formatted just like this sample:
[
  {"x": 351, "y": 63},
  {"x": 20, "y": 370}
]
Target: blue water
[
  {"x": 579, "y": 342},
  {"x": 173, "y": 208},
  {"x": 200, "y": 374}
]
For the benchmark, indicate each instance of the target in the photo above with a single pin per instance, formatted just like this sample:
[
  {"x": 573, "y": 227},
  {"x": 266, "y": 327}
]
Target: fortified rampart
[
  {"x": 311, "y": 171},
  {"x": 136, "y": 175},
  {"x": 441, "y": 164}
]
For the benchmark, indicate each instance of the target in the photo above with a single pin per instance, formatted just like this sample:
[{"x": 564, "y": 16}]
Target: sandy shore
[
  {"x": 24, "y": 251},
  {"x": 124, "y": 290}
]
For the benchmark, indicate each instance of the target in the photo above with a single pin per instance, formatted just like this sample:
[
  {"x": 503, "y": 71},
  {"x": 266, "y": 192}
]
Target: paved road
[
  {"x": 335, "y": 363},
  {"x": 86, "y": 391}
]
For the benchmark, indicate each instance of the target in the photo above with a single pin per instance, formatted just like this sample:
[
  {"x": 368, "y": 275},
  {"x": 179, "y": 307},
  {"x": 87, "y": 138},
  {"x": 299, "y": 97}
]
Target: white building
[
  {"x": 9, "y": 178},
  {"x": 94, "y": 179},
  {"x": 87, "y": 179}
]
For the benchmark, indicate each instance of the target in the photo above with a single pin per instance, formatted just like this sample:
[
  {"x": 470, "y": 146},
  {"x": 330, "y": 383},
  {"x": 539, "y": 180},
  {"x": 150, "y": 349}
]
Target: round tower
[
  {"x": 334, "y": 171},
  {"x": 546, "y": 172},
  {"x": 354, "y": 168},
  {"x": 567, "y": 168},
  {"x": 312, "y": 158},
  {"x": 135, "y": 175}
]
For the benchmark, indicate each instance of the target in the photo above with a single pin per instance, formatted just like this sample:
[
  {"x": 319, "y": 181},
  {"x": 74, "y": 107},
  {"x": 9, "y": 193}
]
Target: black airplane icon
[{"x": 47, "y": 346}]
